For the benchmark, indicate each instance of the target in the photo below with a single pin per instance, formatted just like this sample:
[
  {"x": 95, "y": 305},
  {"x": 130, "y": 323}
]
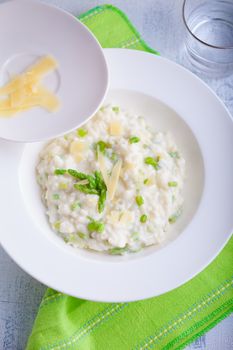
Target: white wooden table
[{"x": 159, "y": 22}]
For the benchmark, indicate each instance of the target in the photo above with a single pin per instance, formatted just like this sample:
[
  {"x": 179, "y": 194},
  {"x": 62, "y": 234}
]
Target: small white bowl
[{"x": 29, "y": 30}]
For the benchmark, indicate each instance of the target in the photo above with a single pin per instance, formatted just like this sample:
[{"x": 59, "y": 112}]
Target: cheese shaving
[
  {"x": 114, "y": 178},
  {"x": 18, "y": 102},
  {"x": 47, "y": 99},
  {"x": 115, "y": 128},
  {"x": 45, "y": 65},
  {"x": 24, "y": 90},
  {"x": 17, "y": 97},
  {"x": 127, "y": 166},
  {"x": 77, "y": 147},
  {"x": 102, "y": 166},
  {"x": 78, "y": 157},
  {"x": 17, "y": 83}
]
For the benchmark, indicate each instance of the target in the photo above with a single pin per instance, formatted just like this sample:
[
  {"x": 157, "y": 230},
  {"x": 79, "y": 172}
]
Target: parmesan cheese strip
[
  {"x": 18, "y": 96},
  {"x": 115, "y": 128},
  {"x": 5, "y": 104},
  {"x": 102, "y": 166},
  {"x": 43, "y": 98},
  {"x": 112, "y": 181},
  {"x": 114, "y": 178},
  {"x": 45, "y": 65},
  {"x": 77, "y": 147},
  {"x": 7, "y": 111},
  {"x": 32, "y": 75},
  {"x": 24, "y": 90},
  {"x": 17, "y": 83},
  {"x": 47, "y": 99},
  {"x": 79, "y": 157}
]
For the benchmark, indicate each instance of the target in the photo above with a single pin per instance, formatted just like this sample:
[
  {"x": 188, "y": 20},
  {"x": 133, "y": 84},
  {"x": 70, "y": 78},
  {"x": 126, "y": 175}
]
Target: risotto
[{"x": 112, "y": 185}]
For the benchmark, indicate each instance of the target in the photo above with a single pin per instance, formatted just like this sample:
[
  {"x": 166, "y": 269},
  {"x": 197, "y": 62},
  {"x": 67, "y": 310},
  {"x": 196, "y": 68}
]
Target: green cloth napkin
[{"x": 170, "y": 321}]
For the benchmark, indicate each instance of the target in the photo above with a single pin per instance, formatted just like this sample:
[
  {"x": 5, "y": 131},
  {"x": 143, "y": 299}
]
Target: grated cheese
[
  {"x": 78, "y": 157},
  {"x": 115, "y": 128},
  {"x": 77, "y": 147}
]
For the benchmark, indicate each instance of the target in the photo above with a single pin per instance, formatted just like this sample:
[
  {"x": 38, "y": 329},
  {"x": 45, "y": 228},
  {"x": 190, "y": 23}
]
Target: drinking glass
[{"x": 209, "y": 36}]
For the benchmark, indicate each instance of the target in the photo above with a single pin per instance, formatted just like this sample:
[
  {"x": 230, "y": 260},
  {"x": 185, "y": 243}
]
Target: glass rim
[{"x": 196, "y": 37}]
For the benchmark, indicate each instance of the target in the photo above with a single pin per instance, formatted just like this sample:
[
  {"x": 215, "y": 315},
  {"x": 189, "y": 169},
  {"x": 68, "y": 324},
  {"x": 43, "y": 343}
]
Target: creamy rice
[{"x": 142, "y": 178}]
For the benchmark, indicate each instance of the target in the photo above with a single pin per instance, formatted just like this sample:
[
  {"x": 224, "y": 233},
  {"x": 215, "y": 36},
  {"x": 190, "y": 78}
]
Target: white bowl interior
[
  {"x": 161, "y": 118},
  {"x": 33, "y": 30}
]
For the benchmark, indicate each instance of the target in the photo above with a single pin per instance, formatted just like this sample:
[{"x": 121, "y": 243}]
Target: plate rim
[{"x": 147, "y": 294}]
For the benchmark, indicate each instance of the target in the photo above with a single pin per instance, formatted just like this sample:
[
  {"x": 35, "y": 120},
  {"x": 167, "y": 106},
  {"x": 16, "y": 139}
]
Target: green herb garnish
[
  {"x": 174, "y": 155},
  {"x": 82, "y": 132},
  {"x": 101, "y": 146},
  {"x": 143, "y": 218},
  {"x": 134, "y": 139},
  {"x": 60, "y": 171},
  {"x": 85, "y": 189},
  {"x": 153, "y": 162},
  {"x": 82, "y": 176},
  {"x": 102, "y": 190},
  {"x": 72, "y": 238},
  {"x": 145, "y": 181},
  {"x": 172, "y": 219},
  {"x": 63, "y": 186},
  {"x": 139, "y": 200},
  {"x": 82, "y": 235},
  {"x": 101, "y": 201},
  {"x": 95, "y": 186},
  {"x": 99, "y": 181},
  {"x": 96, "y": 226},
  {"x": 113, "y": 156},
  {"x": 116, "y": 109},
  {"x": 66, "y": 239},
  {"x": 75, "y": 205},
  {"x": 172, "y": 183},
  {"x": 135, "y": 236},
  {"x": 56, "y": 196},
  {"x": 118, "y": 251},
  {"x": 57, "y": 225}
]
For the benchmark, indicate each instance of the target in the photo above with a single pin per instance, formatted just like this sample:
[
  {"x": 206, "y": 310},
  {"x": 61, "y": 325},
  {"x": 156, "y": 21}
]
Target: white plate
[
  {"x": 29, "y": 30},
  {"x": 171, "y": 98}
]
